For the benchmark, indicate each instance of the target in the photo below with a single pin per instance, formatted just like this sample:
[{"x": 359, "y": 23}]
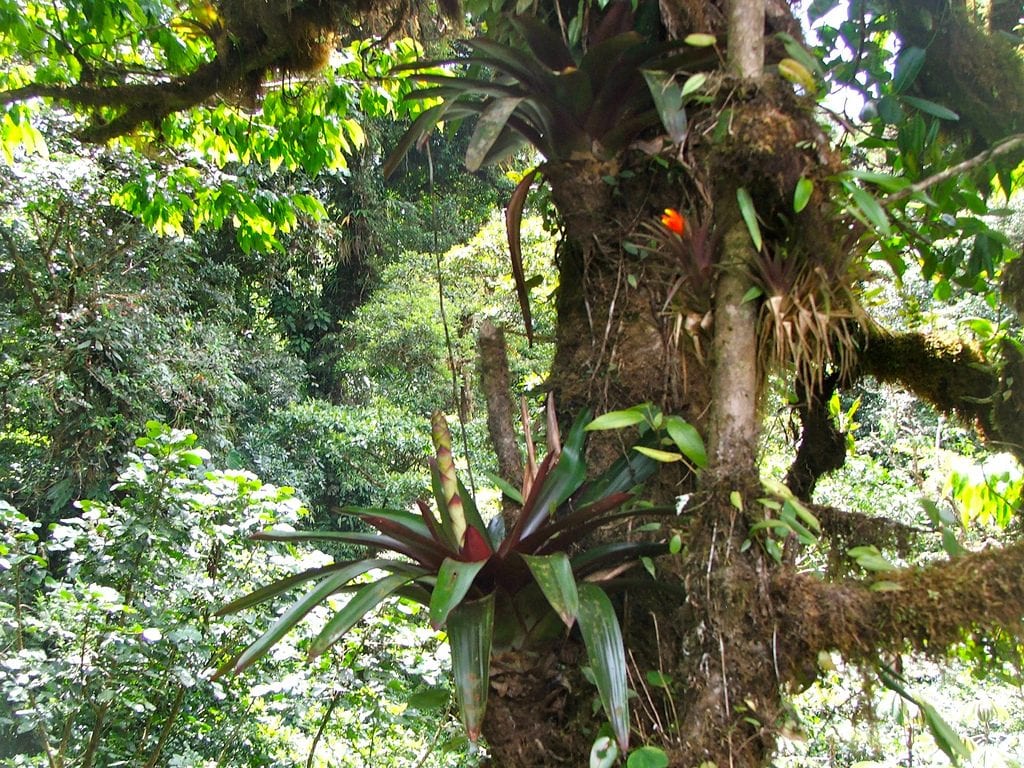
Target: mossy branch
[
  {"x": 954, "y": 376},
  {"x": 927, "y": 609},
  {"x": 254, "y": 40}
]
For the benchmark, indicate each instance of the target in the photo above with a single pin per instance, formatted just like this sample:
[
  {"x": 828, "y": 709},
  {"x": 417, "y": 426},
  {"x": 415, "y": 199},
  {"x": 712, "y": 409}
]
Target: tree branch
[
  {"x": 924, "y": 609},
  {"x": 1010, "y": 144},
  {"x": 956, "y": 378},
  {"x": 822, "y": 447}
]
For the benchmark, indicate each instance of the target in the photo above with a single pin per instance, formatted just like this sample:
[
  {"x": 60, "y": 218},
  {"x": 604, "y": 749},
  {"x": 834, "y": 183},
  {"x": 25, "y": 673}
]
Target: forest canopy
[{"x": 732, "y": 231}]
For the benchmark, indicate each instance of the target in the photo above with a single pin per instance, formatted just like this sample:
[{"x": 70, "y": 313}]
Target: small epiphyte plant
[{"x": 480, "y": 581}]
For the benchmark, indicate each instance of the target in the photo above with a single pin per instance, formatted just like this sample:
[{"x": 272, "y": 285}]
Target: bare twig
[{"x": 1009, "y": 144}]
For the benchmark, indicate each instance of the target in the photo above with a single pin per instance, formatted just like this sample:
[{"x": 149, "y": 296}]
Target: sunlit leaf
[{"x": 454, "y": 581}]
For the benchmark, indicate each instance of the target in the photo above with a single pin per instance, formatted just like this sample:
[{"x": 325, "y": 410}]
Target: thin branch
[
  {"x": 165, "y": 732},
  {"x": 323, "y": 725},
  {"x": 1004, "y": 147}
]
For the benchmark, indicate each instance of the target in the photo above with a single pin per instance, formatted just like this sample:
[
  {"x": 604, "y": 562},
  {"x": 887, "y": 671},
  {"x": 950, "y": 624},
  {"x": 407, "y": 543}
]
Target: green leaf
[
  {"x": 553, "y": 573},
  {"x": 908, "y": 66},
  {"x": 283, "y": 585},
  {"x": 668, "y": 99},
  {"x": 493, "y": 120},
  {"x": 603, "y": 639},
  {"x": 869, "y": 207},
  {"x": 688, "y": 440},
  {"x": 504, "y": 486},
  {"x": 870, "y": 559},
  {"x": 797, "y": 51},
  {"x": 802, "y": 194},
  {"x": 470, "y": 628},
  {"x": 931, "y": 108},
  {"x": 699, "y": 40},
  {"x": 753, "y": 292},
  {"x": 664, "y": 457},
  {"x": 431, "y": 699},
  {"x": 618, "y": 419},
  {"x": 453, "y": 582},
  {"x": 946, "y": 738},
  {"x": 363, "y": 601},
  {"x": 299, "y": 609},
  {"x": 749, "y": 216},
  {"x": 694, "y": 83},
  {"x": 647, "y": 757}
]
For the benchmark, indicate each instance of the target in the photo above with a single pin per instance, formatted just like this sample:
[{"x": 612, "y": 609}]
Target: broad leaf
[
  {"x": 687, "y": 439},
  {"x": 668, "y": 98},
  {"x": 553, "y": 574},
  {"x": 618, "y": 419},
  {"x": 603, "y": 639},
  {"x": 453, "y": 582},
  {"x": 470, "y": 628}
]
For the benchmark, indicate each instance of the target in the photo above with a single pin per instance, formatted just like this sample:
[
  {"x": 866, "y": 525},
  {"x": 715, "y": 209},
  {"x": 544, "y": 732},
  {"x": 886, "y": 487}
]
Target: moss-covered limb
[
  {"x": 954, "y": 376},
  {"x": 974, "y": 72},
  {"x": 251, "y": 41},
  {"x": 921, "y": 609},
  {"x": 822, "y": 446}
]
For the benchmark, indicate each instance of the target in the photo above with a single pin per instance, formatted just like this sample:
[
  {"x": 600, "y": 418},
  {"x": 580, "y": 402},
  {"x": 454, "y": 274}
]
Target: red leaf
[{"x": 476, "y": 546}]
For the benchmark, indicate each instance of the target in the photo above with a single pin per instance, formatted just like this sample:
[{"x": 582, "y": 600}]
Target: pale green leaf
[
  {"x": 653, "y": 453},
  {"x": 699, "y": 40},
  {"x": 802, "y": 194},
  {"x": 749, "y": 214},
  {"x": 617, "y": 419}
]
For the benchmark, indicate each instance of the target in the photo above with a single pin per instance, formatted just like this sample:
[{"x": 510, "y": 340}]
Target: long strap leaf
[
  {"x": 362, "y": 602},
  {"x": 470, "y": 629},
  {"x": 513, "y": 224},
  {"x": 297, "y": 612},
  {"x": 603, "y": 639}
]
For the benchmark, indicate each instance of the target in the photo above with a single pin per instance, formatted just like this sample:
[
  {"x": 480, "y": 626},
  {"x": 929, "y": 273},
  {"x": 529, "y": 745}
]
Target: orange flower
[{"x": 674, "y": 220}]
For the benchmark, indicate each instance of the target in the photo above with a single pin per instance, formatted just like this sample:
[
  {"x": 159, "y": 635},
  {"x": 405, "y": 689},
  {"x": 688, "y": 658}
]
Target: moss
[
  {"x": 928, "y": 609},
  {"x": 954, "y": 376},
  {"x": 977, "y": 74}
]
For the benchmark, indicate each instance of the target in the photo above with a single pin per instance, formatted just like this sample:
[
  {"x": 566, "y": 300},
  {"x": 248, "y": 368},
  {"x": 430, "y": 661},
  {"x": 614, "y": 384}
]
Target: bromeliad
[{"x": 469, "y": 573}]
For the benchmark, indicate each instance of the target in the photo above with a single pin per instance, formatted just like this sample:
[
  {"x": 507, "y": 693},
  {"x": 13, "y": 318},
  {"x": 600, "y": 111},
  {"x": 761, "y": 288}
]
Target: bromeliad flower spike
[
  {"x": 468, "y": 573},
  {"x": 674, "y": 221}
]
